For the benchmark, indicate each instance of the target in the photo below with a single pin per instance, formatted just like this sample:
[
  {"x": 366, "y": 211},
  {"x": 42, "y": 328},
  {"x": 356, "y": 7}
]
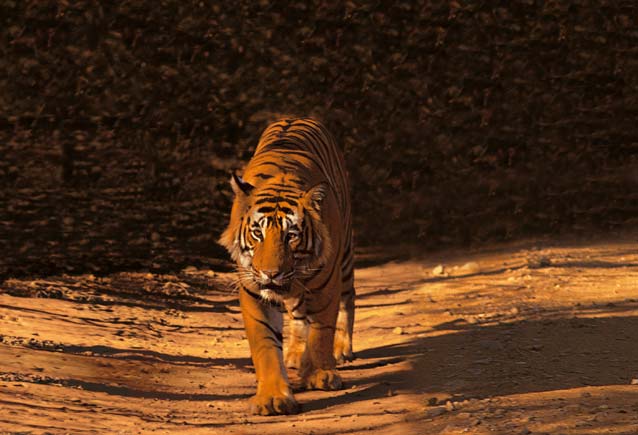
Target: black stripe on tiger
[
  {"x": 263, "y": 176},
  {"x": 277, "y": 199},
  {"x": 278, "y": 335},
  {"x": 348, "y": 277}
]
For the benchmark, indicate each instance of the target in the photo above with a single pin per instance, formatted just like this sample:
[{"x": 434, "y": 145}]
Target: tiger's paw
[
  {"x": 321, "y": 379},
  {"x": 343, "y": 357},
  {"x": 273, "y": 405},
  {"x": 342, "y": 349}
]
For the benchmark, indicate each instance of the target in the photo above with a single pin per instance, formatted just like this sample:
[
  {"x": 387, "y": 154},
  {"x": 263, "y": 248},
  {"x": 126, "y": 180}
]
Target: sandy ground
[{"x": 537, "y": 337}]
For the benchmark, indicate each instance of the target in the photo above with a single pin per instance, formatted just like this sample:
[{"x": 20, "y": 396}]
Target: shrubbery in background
[{"x": 462, "y": 121}]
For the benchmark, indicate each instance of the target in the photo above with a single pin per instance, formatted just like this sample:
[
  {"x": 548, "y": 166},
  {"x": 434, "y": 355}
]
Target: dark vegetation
[{"x": 461, "y": 121}]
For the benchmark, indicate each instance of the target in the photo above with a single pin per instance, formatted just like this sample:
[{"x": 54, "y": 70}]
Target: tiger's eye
[
  {"x": 257, "y": 234},
  {"x": 291, "y": 237}
]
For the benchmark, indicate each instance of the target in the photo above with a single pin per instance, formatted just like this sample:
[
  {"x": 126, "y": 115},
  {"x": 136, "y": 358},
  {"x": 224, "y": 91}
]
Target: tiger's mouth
[
  {"x": 279, "y": 289},
  {"x": 273, "y": 293}
]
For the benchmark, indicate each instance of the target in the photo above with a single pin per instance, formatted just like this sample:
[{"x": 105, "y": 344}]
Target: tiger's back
[{"x": 307, "y": 135}]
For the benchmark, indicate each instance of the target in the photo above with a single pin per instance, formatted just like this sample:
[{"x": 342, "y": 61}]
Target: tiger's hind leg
[
  {"x": 297, "y": 328},
  {"x": 345, "y": 319},
  {"x": 345, "y": 325},
  {"x": 296, "y": 346}
]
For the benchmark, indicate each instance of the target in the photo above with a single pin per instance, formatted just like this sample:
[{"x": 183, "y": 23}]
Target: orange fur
[{"x": 290, "y": 234}]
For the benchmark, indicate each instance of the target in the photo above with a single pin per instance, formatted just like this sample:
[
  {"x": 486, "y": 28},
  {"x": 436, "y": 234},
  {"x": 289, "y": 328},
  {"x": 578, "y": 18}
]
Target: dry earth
[{"x": 528, "y": 338}]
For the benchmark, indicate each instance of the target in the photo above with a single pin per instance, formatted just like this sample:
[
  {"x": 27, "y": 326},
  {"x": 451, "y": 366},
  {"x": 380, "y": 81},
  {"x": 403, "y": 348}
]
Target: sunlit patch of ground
[{"x": 529, "y": 338}]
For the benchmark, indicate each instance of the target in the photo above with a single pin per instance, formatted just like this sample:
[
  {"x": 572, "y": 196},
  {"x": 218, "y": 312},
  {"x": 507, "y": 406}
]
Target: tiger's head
[{"x": 276, "y": 234}]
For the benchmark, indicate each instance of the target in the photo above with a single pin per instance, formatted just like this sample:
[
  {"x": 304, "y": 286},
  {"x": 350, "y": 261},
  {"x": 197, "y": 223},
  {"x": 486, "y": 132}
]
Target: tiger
[{"x": 290, "y": 235}]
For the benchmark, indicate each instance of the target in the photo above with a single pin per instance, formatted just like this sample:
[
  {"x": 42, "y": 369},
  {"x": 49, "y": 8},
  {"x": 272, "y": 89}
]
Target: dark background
[{"x": 462, "y": 122}]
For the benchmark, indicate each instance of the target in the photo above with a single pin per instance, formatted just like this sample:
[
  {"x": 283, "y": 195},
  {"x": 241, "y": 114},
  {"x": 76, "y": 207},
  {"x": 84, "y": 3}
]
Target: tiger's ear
[
  {"x": 240, "y": 187},
  {"x": 314, "y": 197}
]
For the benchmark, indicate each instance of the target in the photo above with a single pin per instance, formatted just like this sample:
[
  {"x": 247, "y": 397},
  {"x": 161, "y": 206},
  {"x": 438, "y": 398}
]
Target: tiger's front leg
[
  {"x": 264, "y": 325},
  {"x": 318, "y": 369}
]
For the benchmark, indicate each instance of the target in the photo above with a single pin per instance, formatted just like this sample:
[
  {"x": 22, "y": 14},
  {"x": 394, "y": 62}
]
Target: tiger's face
[
  {"x": 271, "y": 245},
  {"x": 280, "y": 236}
]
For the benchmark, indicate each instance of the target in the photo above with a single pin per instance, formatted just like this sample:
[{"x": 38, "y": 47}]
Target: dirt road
[{"x": 528, "y": 338}]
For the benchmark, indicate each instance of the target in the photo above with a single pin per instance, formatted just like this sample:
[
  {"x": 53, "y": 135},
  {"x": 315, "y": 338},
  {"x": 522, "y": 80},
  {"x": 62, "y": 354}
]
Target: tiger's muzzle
[{"x": 276, "y": 281}]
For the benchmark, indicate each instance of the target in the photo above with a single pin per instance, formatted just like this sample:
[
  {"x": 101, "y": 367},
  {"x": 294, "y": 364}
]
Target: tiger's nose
[{"x": 271, "y": 275}]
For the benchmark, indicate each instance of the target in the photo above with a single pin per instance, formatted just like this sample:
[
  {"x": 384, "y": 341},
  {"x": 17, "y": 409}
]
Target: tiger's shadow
[{"x": 555, "y": 352}]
